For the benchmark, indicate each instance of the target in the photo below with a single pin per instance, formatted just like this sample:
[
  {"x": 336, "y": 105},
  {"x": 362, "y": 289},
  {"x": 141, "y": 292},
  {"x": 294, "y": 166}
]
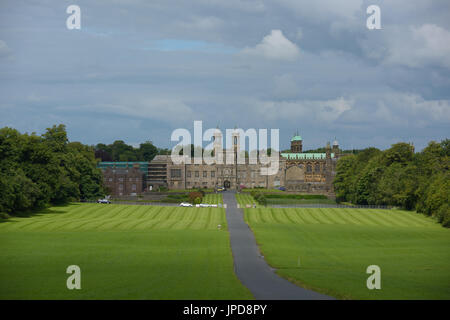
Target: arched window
[
  {"x": 308, "y": 168},
  {"x": 317, "y": 167}
]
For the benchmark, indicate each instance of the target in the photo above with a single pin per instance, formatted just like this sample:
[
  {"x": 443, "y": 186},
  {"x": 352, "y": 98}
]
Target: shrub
[
  {"x": 443, "y": 215},
  {"x": 174, "y": 198},
  {"x": 262, "y": 200},
  {"x": 195, "y": 194},
  {"x": 3, "y": 215},
  {"x": 259, "y": 197},
  {"x": 200, "y": 190}
]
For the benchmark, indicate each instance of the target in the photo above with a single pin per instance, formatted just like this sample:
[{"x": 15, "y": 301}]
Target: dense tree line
[
  {"x": 120, "y": 151},
  {"x": 398, "y": 177},
  {"x": 36, "y": 171}
]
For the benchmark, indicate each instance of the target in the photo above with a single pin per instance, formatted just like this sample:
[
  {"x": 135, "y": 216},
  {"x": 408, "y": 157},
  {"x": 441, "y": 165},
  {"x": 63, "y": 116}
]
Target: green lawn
[
  {"x": 244, "y": 199},
  {"x": 213, "y": 198},
  {"x": 281, "y": 201},
  {"x": 124, "y": 252},
  {"x": 336, "y": 246}
]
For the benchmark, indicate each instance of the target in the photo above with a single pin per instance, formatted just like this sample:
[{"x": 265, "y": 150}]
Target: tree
[
  {"x": 398, "y": 177},
  {"x": 147, "y": 151},
  {"x": 343, "y": 181},
  {"x": 36, "y": 171}
]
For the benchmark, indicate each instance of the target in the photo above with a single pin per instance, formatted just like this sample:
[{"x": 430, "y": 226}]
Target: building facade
[
  {"x": 128, "y": 181},
  {"x": 297, "y": 171}
]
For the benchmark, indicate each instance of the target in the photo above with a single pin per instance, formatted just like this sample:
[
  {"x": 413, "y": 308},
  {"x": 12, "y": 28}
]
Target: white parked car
[
  {"x": 204, "y": 205},
  {"x": 185, "y": 204},
  {"x": 103, "y": 201}
]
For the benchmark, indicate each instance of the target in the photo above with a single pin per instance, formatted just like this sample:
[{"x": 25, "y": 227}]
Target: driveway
[{"x": 251, "y": 269}]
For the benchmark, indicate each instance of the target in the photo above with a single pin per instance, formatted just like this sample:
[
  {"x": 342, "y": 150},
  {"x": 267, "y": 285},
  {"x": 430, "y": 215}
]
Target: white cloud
[
  {"x": 275, "y": 46},
  {"x": 398, "y": 109},
  {"x": 391, "y": 110},
  {"x": 419, "y": 111},
  {"x": 427, "y": 45}
]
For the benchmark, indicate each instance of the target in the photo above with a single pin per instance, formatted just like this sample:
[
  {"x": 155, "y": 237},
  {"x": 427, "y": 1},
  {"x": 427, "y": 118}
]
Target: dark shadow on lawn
[
  {"x": 40, "y": 212},
  {"x": 6, "y": 220}
]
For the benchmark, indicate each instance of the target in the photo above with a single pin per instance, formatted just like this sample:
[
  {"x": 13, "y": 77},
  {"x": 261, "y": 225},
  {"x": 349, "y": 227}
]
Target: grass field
[
  {"x": 244, "y": 199},
  {"x": 124, "y": 252},
  {"x": 299, "y": 201},
  {"x": 213, "y": 198},
  {"x": 336, "y": 246}
]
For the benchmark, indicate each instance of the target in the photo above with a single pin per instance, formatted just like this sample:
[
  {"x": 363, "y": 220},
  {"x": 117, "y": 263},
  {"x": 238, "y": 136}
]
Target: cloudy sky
[{"x": 138, "y": 69}]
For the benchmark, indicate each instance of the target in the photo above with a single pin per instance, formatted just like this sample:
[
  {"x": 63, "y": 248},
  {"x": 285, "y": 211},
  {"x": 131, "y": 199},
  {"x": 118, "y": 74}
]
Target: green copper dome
[{"x": 296, "y": 138}]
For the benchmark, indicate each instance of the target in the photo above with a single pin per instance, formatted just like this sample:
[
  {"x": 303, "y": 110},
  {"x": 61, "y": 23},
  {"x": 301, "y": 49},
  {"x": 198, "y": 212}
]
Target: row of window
[
  {"x": 316, "y": 167},
  {"x": 242, "y": 174},
  {"x": 122, "y": 179},
  {"x": 176, "y": 173},
  {"x": 204, "y": 184},
  {"x": 205, "y": 174},
  {"x": 133, "y": 187}
]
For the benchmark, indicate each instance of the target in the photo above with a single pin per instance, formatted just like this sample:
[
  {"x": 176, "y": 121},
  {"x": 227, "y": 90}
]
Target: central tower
[{"x": 296, "y": 144}]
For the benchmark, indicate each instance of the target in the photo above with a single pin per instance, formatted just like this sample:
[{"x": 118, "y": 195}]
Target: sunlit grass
[
  {"x": 124, "y": 252},
  {"x": 335, "y": 247}
]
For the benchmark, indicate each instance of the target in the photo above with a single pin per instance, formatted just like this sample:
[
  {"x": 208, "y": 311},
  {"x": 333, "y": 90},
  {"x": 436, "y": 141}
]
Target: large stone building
[{"x": 297, "y": 171}]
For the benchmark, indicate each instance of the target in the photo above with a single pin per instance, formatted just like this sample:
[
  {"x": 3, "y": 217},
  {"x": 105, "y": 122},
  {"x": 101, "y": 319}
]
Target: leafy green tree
[
  {"x": 398, "y": 177},
  {"x": 343, "y": 181},
  {"x": 36, "y": 171},
  {"x": 147, "y": 151}
]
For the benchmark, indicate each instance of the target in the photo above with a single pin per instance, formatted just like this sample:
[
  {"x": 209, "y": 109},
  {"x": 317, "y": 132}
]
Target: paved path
[{"x": 251, "y": 268}]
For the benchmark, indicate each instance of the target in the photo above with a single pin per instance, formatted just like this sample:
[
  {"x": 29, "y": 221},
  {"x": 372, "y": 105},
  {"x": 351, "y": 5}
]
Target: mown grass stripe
[
  {"x": 354, "y": 213},
  {"x": 345, "y": 217},
  {"x": 306, "y": 216},
  {"x": 289, "y": 216},
  {"x": 369, "y": 214},
  {"x": 165, "y": 218},
  {"x": 329, "y": 214},
  {"x": 404, "y": 220},
  {"x": 314, "y": 214},
  {"x": 388, "y": 217}
]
